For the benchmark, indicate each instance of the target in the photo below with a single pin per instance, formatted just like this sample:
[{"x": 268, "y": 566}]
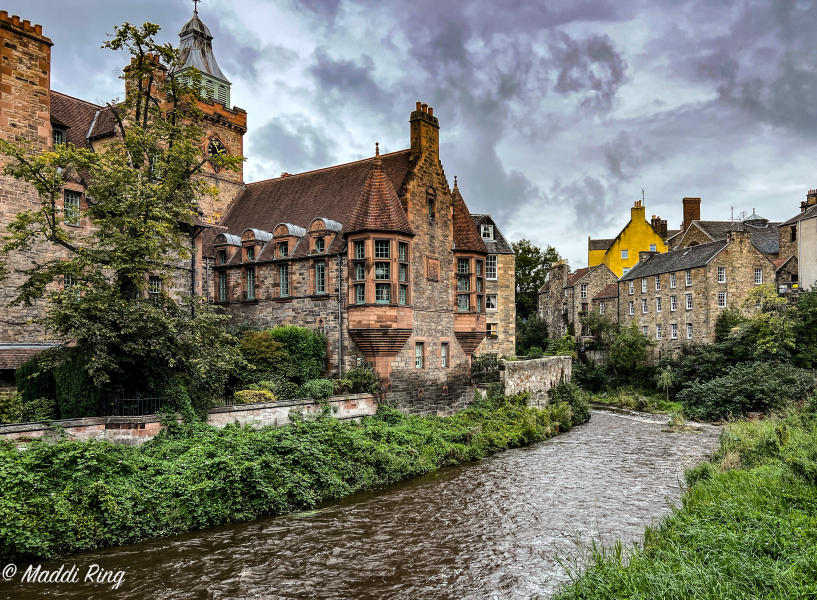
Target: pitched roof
[
  {"x": 810, "y": 212},
  {"x": 675, "y": 260},
  {"x": 545, "y": 287},
  {"x": 196, "y": 49},
  {"x": 331, "y": 193},
  {"x": 14, "y": 355},
  {"x": 608, "y": 291},
  {"x": 498, "y": 245},
  {"x": 466, "y": 236},
  {"x": 600, "y": 244},
  {"x": 779, "y": 263},
  {"x": 576, "y": 275},
  {"x": 764, "y": 235},
  {"x": 378, "y": 208},
  {"x": 83, "y": 121}
]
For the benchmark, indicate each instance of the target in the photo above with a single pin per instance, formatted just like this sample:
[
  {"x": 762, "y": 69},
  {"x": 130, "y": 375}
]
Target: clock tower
[{"x": 224, "y": 126}]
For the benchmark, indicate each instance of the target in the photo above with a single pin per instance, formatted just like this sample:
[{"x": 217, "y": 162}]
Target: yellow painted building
[{"x": 639, "y": 235}]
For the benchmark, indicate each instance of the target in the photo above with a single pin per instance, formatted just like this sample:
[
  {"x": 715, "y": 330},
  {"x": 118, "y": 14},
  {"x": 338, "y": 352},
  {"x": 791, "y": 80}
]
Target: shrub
[
  {"x": 363, "y": 380},
  {"x": 11, "y": 405},
  {"x": 744, "y": 388},
  {"x": 253, "y": 396},
  {"x": 77, "y": 396},
  {"x": 288, "y": 352},
  {"x": 35, "y": 377},
  {"x": 628, "y": 349},
  {"x": 560, "y": 412},
  {"x": 39, "y": 409},
  {"x": 317, "y": 388},
  {"x": 569, "y": 393}
]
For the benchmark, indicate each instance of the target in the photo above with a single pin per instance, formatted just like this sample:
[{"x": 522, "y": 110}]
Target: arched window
[{"x": 320, "y": 245}]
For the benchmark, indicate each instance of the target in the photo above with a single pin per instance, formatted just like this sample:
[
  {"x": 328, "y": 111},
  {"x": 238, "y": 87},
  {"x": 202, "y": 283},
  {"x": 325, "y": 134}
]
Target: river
[{"x": 500, "y": 528}]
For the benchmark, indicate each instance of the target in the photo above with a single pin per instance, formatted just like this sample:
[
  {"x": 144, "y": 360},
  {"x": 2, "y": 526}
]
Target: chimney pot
[
  {"x": 430, "y": 111},
  {"x": 419, "y": 105},
  {"x": 425, "y": 107}
]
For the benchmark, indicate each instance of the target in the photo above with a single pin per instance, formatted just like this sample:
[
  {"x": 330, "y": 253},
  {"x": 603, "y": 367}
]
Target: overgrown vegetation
[
  {"x": 67, "y": 496},
  {"x": 746, "y": 527}
]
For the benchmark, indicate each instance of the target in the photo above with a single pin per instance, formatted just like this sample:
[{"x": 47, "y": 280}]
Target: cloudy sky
[{"x": 554, "y": 114}]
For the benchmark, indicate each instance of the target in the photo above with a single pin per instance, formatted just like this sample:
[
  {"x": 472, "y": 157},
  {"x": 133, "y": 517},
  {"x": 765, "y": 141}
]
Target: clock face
[{"x": 216, "y": 148}]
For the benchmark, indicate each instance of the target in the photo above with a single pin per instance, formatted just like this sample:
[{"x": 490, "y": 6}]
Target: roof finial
[
  {"x": 455, "y": 181},
  {"x": 377, "y": 148},
  {"x": 196, "y": 7}
]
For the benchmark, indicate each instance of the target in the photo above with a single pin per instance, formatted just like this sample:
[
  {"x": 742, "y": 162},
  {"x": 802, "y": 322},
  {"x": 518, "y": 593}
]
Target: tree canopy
[{"x": 532, "y": 266}]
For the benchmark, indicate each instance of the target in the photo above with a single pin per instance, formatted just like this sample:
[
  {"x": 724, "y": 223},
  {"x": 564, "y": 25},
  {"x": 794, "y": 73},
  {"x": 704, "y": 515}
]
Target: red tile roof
[
  {"x": 576, "y": 275},
  {"x": 75, "y": 115},
  {"x": 466, "y": 236},
  {"x": 608, "y": 291},
  {"x": 378, "y": 208},
  {"x": 14, "y": 355}
]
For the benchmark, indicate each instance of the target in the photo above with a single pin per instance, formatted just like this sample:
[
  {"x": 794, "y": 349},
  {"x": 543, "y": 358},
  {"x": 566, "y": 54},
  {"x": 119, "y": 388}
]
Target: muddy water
[{"x": 500, "y": 528}]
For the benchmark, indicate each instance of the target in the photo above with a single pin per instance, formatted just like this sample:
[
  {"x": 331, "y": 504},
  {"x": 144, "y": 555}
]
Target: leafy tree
[
  {"x": 772, "y": 330},
  {"x": 531, "y": 332},
  {"x": 628, "y": 349},
  {"x": 598, "y": 325},
  {"x": 142, "y": 197},
  {"x": 805, "y": 330},
  {"x": 729, "y": 319},
  {"x": 532, "y": 266}
]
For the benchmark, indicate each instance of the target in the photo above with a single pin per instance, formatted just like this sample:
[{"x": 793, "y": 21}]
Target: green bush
[
  {"x": 569, "y": 393},
  {"x": 317, "y": 388},
  {"x": 39, "y": 409},
  {"x": 744, "y": 388},
  {"x": 287, "y": 352},
  {"x": 11, "y": 405},
  {"x": 253, "y": 396},
  {"x": 35, "y": 377},
  {"x": 77, "y": 396},
  {"x": 363, "y": 380}
]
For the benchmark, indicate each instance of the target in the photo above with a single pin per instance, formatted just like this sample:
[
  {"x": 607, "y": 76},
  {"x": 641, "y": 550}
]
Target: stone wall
[
  {"x": 536, "y": 376},
  {"x": 277, "y": 413},
  {"x": 504, "y": 286}
]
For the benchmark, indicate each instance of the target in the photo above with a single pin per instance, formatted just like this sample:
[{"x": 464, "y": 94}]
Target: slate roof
[
  {"x": 764, "y": 235},
  {"x": 332, "y": 193},
  {"x": 378, "y": 208},
  {"x": 196, "y": 49},
  {"x": 810, "y": 212},
  {"x": 599, "y": 244},
  {"x": 608, "y": 291},
  {"x": 675, "y": 260},
  {"x": 466, "y": 236},
  {"x": 498, "y": 245}
]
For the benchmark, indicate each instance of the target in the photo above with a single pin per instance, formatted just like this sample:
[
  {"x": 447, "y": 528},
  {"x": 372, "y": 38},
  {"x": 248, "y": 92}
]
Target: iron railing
[{"x": 130, "y": 407}]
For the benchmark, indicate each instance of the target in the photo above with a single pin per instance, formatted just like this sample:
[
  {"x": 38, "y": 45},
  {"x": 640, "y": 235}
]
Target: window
[
  {"x": 658, "y": 332},
  {"x": 601, "y": 308},
  {"x": 721, "y": 299},
  {"x": 490, "y": 267},
  {"x": 721, "y": 274},
  {"x": 624, "y": 255},
  {"x": 758, "y": 276},
  {"x": 479, "y": 304},
  {"x": 382, "y": 249},
  {"x": 658, "y": 304},
  {"x": 583, "y": 291},
  {"x": 154, "y": 288},
  {"x": 487, "y": 232},
  {"x": 402, "y": 272},
  {"x": 382, "y": 293},
  {"x": 222, "y": 94},
  {"x": 403, "y": 294},
  {"x": 402, "y": 251},
  {"x": 463, "y": 265},
  {"x": 673, "y": 331},
  {"x": 480, "y": 285},
  {"x": 208, "y": 89},
  {"x": 632, "y": 307},
  {"x": 283, "y": 275},
  {"x": 793, "y": 229},
  {"x": 491, "y": 330},
  {"x": 632, "y": 287},
  {"x": 250, "y": 253},
  {"x": 360, "y": 249},
  {"x": 222, "y": 286},
  {"x": 652, "y": 248},
  {"x": 643, "y": 285},
  {"x": 283, "y": 249},
  {"x": 71, "y": 210},
  {"x": 222, "y": 257},
  {"x": 360, "y": 271},
  {"x": 463, "y": 302},
  {"x": 320, "y": 245},
  {"x": 444, "y": 355},
  {"x": 320, "y": 277},
  {"x": 644, "y": 306},
  {"x": 382, "y": 270},
  {"x": 478, "y": 263},
  {"x": 689, "y": 331},
  {"x": 360, "y": 293},
  {"x": 688, "y": 301},
  {"x": 672, "y": 282},
  {"x": 419, "y": 355},
  {"x": 431, "y": 201},
  {"x": 250, "y": 283},
  {"x": 490, "y": 302},
  {"x": 657, "y": 282},
  {"x": 673, "y": 303},
  {"x": 644, "y": 331},
  {"x": 688, "y": 278},
  {"x": 625, "y": 270},
  {"x": 59, "y": 135}
]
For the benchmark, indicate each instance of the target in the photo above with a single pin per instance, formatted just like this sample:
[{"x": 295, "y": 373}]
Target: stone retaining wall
[
  {"x": 137, "y": 430},
  {"x": 536, "y": 376}
]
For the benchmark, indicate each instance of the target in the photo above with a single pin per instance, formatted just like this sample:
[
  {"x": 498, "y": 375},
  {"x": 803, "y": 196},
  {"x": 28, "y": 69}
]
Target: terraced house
[{"x": 381, "y": 254}]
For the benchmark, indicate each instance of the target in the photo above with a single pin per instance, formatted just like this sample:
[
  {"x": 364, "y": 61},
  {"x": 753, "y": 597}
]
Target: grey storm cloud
[
  {"x": 345, "y": 79},
  {"x": 292, "y": 143}
]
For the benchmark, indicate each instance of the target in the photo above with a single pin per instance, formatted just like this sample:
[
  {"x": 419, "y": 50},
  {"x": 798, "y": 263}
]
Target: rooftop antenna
[
  {"x": 196, "y": 7},
  {"x": 642, "y": 195}
]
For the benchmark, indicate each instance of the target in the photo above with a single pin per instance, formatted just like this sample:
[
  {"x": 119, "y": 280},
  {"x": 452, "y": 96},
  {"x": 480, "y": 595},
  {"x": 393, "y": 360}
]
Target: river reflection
[{"x": 492, "y": 529}]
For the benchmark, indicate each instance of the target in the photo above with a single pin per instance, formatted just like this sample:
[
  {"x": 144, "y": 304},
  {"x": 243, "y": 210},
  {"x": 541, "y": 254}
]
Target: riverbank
[
  {"x": 67, "y": 496},
  {"x": 745, "y": 528},
  {"x": 635, "y": 399}
]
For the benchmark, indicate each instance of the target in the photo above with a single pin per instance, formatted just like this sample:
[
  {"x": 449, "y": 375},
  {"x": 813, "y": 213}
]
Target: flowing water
[{"x": 504, "y": 527}]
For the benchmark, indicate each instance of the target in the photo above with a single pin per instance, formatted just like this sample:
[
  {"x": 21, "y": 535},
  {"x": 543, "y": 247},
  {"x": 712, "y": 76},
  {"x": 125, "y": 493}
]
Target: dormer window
[
  {"x": 487, "y": 232},
  {"x": 283, "y": 249},
  {"x": 222, "y": 257},
  {"x": 320, "y": 245},
  {"x": 250, "y": 253}
]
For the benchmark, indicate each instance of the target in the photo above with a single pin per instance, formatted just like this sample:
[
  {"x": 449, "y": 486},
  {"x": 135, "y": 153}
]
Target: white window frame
[
  {"x": 672, "y": 281},
  {"x": 632, "y": 287},
  {"x": 490, "y": 267},
  {"x": 632, "y": 308},
  {"x": 644, "y": 307},
  {"x": 444, "y": 355},
  {"x": 688, "y": 276},
  {"x": 653, "y": 248},
  {"x": 688, "y": 301},
  {"x": 625, "y": 255},
  {"x": 601, "y": 308},
  {"x": 659, "y": 333},
  {"x": 71, "y": 212},
  {"x": 489, "y": 301},
  {"x": 583, "y": 291},
  {"x": 721, "y": 299},
  {"x": 758, "y": 276},
  {"x": 673, "y": 303},
  {"x": 486, "y": 230},
  {"x": 673, "y": 331},
  {"x": 689, "y": 331},
  {"x": 721, "y": 274},
  {"x": 643, "y": 285},
  {"x": 658, "y": 304},
  {"x": 644, "y": 331},
  {"x": 657, "y": 283},
  {"x": 419, "y": 355}
]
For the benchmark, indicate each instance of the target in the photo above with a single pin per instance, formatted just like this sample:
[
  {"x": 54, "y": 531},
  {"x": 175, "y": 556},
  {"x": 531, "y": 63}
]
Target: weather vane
[{"x": 196, "y": 6}]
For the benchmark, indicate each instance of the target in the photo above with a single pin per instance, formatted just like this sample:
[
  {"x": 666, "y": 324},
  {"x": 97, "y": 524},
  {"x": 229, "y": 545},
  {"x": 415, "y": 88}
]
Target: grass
[
  {"x": 747, "y": 526},
  {"x": 635, "y": 399}
]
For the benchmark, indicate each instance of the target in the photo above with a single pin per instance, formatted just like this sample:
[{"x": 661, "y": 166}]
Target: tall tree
[
  {"x": 532, "y": 267},
  {"x": 142, "y": 201}
]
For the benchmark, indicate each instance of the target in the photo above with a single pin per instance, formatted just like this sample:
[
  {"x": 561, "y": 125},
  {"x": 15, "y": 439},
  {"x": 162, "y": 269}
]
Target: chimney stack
[
  {"x": 425, "y": 131},
  {"x": 811, "y": 200},
  {"x": 644, "y": 255},
  {"x": 692, "y": 211},
  {"x": 659, "y": 225}
]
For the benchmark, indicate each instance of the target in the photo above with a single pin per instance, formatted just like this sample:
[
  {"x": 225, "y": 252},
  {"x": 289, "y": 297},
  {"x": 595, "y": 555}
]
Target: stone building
[
  {"x": 565, "y": 296},
  {"x": 500, "y": 289},
  {"x": 380, "y": 254},
  {"x": 798, "y": 239},
  {"x": 676, "y": 297},
  {"x": 606, "y": 301},
  {"x": 620, "y": 254}
]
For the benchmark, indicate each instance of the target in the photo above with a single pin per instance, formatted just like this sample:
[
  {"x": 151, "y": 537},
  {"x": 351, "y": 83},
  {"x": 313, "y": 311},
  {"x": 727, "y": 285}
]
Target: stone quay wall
[
  {"x": 133, "y": 431},
  {"x": 537, "y": 377}
]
